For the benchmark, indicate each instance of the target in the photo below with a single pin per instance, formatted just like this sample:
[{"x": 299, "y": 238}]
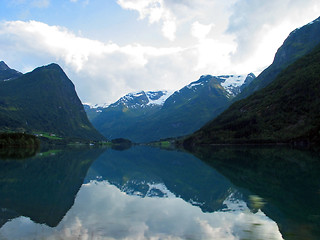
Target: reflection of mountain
[
  {"x": 149, "y": 171},
  {"x": 287, "y": 179},
  {"x": 102, "y": 211},
  {"x": 43, "y": 188}
]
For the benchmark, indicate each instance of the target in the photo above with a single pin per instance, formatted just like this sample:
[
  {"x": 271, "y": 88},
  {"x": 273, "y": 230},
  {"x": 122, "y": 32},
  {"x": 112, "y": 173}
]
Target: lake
[{"x": 150, "y": 193}]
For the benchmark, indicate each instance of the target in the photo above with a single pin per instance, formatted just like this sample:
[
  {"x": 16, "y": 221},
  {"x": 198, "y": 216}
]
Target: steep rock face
[
  {"x": 287, "y": 110},
  {"x": 150, "y": 116},
  {"x": 44, "y": 100},
  {"x": 300, "y": 42}
]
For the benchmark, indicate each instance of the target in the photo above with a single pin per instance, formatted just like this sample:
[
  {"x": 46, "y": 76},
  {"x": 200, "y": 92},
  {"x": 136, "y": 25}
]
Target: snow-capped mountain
[
  {"x": 143, "y": 99},
  {"x": 137, "y": 100},
  {"x": 233, "y": 84},
  {"x": 151, "y": 115}
]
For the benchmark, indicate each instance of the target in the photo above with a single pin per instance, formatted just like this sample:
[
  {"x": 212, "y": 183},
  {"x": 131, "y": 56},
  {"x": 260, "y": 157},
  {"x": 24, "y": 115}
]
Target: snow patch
[
  {"x": 192, "y": 85},
  {"x": 160, "y": 187},
  {"x": 233, "y": 204},
  {"x": 98, "y": 105},
  {"x": 232, "y": 81},
  {"x": 9, "y": 79},
  {"x": 160, "y": 101}
]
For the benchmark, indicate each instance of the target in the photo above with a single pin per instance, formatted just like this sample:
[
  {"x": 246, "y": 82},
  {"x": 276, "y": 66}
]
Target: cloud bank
[{"x": 199, "y": 37}]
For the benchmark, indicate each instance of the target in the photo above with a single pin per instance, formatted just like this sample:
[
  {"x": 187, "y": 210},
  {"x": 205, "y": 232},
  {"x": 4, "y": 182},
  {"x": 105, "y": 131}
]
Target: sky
[{"x": 109, "y": 48}]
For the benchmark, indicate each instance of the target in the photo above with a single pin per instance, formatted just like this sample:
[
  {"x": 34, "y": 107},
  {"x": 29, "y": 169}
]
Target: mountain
[
  {"x": 287, "y": 110},
  {"x": 150, "y": 116},
  {"x": 94, "y": 110},
  {"x": 7, "y": 73},
  {"x": 44, "y": 101},
  {"x": 300, "y": 42},
  {"x": 120, "y": 119}
]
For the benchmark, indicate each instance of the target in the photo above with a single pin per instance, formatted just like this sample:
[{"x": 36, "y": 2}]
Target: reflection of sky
[{"x": 102, "y": 211}]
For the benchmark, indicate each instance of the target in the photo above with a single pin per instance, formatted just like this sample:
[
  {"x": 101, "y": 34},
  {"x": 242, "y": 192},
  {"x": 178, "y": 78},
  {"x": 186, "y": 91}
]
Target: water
[{"x": 149, "y": 193}]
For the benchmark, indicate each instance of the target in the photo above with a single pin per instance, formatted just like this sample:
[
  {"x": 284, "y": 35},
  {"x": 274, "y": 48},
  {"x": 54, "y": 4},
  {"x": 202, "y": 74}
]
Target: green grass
[{"x": 47, "y": 135}]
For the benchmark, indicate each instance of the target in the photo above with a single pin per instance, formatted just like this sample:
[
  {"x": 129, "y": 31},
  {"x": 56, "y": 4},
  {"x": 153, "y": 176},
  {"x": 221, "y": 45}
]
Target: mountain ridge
[
  {"x": 135, "y": 118},
  {"x": 286, "y": 111},
  {"x": 299, "y": 42}
]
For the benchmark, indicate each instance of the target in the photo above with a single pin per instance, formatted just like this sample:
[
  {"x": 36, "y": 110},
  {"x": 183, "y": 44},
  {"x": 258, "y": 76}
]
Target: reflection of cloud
[{"x": 101, "y": 211}]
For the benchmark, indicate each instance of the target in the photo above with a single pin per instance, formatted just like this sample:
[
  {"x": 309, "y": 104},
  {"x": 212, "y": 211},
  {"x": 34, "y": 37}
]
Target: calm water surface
[{"x": 149, "y": 193}]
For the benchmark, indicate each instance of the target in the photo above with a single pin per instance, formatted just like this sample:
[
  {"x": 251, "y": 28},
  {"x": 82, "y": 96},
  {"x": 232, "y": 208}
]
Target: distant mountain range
[
  {"x": 42, "y": 102},
  {"x": 153, "y": 115},
  {"x": 280, "y": 105},
  {"x": 285, "y": 109}
]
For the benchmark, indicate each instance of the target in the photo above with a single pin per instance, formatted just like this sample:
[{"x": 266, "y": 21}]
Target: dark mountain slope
[
  {"x": 300, "y": 42},
  {"x": 44, "y": 100},
  {"x": 287, "y": 110}
]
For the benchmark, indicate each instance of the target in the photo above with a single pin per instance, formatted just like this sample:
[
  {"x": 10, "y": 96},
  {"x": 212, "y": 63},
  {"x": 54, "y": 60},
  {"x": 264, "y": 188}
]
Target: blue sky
[{"x": 111, "y": 47}]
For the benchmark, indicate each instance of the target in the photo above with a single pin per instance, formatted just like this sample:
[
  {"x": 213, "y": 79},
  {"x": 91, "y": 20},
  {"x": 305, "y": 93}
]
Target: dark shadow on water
[
  {"x": 17, "y": 153},
  {"x": 43, "y": 187},
  {"x": 288, "y": 180}
]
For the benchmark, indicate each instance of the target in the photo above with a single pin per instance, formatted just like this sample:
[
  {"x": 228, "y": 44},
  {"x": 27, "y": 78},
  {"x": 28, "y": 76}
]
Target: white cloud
[
  {"x": 100, "y": 71},
  {"x": 155, "y": 11},
  {"x": 169, "y": 29},
  {"x": 206, "y": 37},
  {"x": 251, "y": 29},
  {"x": 259, "y": 25},
  {"x": 199, "y": 30}
]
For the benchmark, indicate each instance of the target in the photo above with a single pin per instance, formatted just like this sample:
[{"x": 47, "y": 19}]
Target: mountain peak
[
  {"x": 47, "y": 102},
  {"x": 233, "y": 84},
  {"x": 3, "y": 66},
  {"x": 143, "y": 98},
  {"x": 6, "y": 73},
  {"x": 51, "y": 66}
]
